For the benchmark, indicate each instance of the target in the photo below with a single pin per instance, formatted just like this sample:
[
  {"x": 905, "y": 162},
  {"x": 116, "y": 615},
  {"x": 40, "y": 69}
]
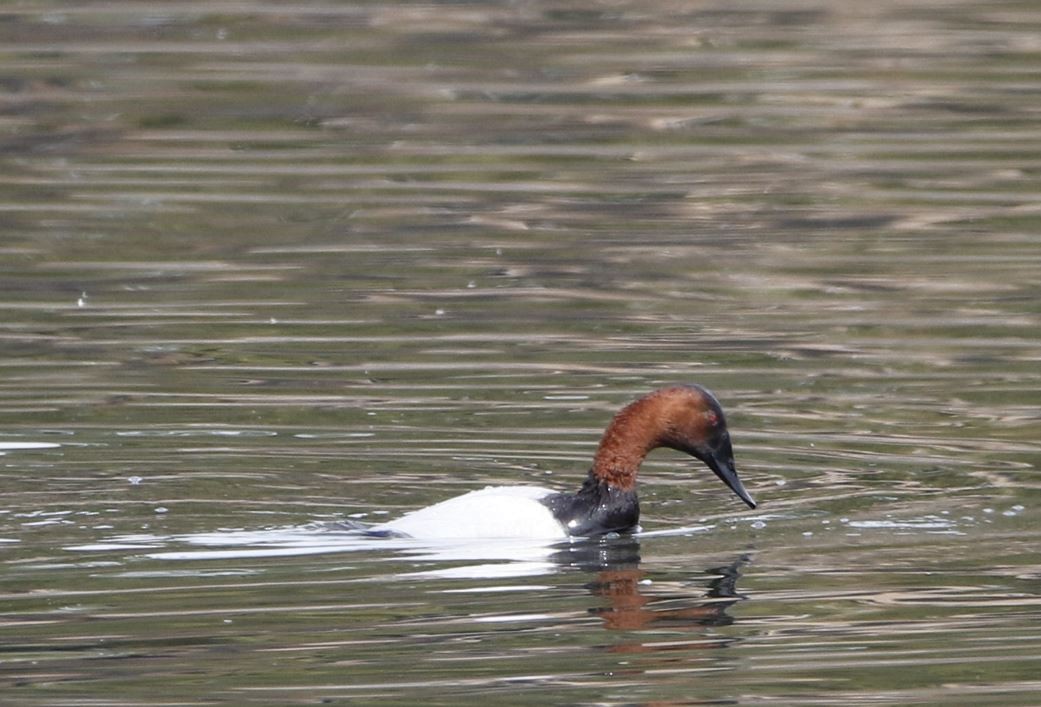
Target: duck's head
[{"x": 692, "y": 421}]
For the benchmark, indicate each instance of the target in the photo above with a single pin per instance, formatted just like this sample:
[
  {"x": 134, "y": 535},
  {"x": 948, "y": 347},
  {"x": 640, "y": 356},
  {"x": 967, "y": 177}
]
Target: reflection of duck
[
  {"x": 629, "y": 608},
  {"x": 685, "y": 418}
]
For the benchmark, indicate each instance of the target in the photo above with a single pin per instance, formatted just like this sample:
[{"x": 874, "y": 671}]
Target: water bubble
[
  {"x": 135, "y": 480},
  {"x": 162, "y": 509},
  {"x": 758, "y": 525}
]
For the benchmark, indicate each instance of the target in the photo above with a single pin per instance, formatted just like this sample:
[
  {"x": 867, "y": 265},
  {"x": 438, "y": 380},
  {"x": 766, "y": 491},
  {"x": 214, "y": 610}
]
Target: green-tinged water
[{"x": 265, "y": 267}]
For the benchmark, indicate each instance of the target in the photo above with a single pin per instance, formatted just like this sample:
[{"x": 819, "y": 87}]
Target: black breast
[{"x": 596, "y": 509}]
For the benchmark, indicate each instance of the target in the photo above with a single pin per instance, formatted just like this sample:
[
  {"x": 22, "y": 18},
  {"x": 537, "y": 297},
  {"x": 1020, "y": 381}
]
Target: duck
[{"x": 686, "y": 418}]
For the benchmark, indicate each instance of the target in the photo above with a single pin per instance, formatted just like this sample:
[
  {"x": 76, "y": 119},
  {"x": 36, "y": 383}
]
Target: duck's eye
[{"x": 712, "y": 418}]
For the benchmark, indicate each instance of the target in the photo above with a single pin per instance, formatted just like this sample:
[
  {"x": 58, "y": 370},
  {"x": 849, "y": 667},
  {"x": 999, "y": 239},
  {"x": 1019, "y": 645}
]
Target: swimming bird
[{"x": 686, "y": 418}]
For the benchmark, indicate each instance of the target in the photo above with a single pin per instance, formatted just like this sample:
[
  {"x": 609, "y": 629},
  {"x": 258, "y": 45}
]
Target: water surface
[{"x": 266, "y": 269}]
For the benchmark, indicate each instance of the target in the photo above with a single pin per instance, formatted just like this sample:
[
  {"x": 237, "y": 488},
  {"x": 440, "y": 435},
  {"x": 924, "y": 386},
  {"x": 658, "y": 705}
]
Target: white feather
[{"x": 492, "y": 512}]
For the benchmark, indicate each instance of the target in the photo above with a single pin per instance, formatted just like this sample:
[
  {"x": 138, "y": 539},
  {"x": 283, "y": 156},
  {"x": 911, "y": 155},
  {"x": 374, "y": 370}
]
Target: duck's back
[{"x": 492, "y": 512}]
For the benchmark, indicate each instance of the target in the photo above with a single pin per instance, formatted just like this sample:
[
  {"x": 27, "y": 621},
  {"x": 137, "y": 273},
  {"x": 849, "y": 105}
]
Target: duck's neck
[
  {"x": 631, "y": 435},
  {"x": 607, "y": 501}
]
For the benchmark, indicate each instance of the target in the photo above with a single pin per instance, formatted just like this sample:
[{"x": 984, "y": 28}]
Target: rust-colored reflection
[{"x": 632, "y": 603}]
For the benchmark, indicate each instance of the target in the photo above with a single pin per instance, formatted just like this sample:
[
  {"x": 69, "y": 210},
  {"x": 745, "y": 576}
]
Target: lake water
[{"x": 264, "y": 268}]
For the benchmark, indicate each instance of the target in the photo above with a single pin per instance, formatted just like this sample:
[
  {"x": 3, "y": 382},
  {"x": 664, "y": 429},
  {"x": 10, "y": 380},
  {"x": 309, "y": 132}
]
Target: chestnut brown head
[{"x": 693, "y": 422}]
